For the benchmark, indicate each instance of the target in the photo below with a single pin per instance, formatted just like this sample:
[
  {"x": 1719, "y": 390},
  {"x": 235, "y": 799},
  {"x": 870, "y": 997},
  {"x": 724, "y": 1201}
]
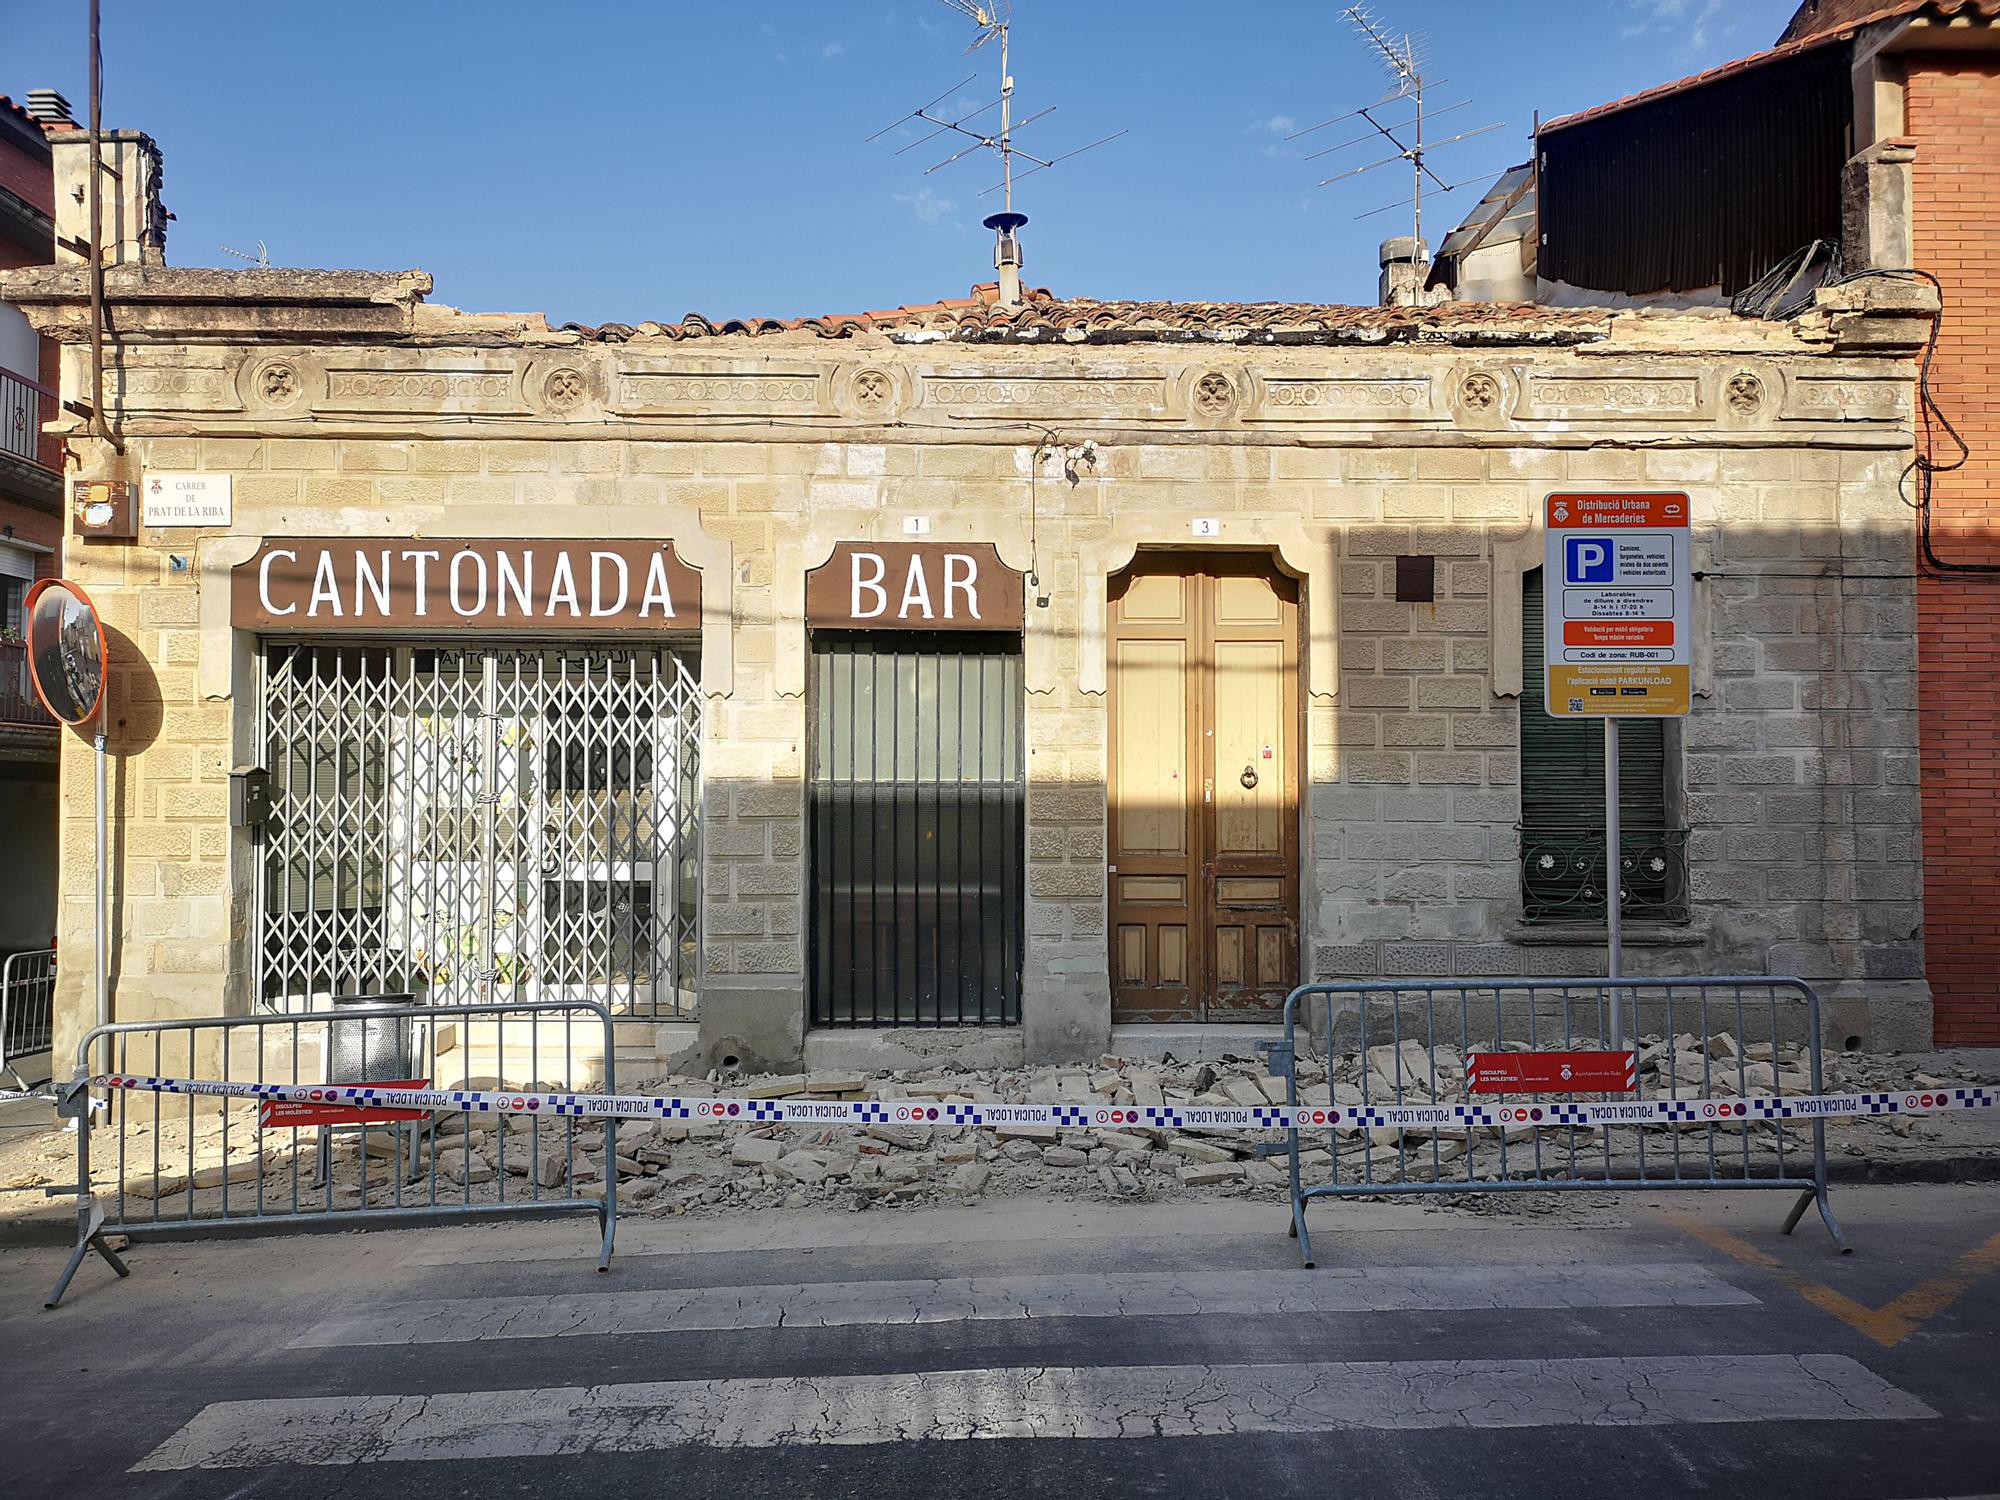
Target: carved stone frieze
[
  {"x": 642, "y": 391},
  {"x": 181, "y": 387},
  {"x": 1819, "y": 398},
  {"x": 476, "y": 390},
  {"x": 1347, "y": 399},
  {"x": 1548, "y": 396},
  {"x": 1138, "y": 396}
]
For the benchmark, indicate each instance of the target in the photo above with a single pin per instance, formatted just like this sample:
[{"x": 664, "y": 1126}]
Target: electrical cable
[{"x": 1931, "y": 416}]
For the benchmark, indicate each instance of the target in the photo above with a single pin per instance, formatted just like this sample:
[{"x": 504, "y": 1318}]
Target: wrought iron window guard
[{"x": 1563, "y": 879}]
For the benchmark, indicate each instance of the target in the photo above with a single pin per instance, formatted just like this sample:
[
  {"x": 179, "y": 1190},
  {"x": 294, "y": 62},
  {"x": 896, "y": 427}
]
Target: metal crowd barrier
[
  {"x": 175, "y": 1165},
  {"x": 27, "y": 1012},
  {"x": 1397, "y": 1043}
]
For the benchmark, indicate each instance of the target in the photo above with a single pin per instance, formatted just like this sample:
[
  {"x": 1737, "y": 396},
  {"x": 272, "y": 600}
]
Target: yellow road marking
[{"x": 1888, "y": 1324}]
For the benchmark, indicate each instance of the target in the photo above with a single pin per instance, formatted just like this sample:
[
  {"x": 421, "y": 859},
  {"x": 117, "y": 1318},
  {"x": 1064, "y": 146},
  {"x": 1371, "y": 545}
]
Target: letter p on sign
[{"x": 1589, "y": 560}]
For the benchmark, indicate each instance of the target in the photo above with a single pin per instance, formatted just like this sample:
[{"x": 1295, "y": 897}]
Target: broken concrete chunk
[
  {"x": 1119, "y": 1141},
  {"x": 754, "y": 1151},
  {"x": 1244, "y": 1092},
  {"x": 908, "y": 1137},
  {"x": 458, "y": 1166},
  {"x": 1211, "y": 1173},
  {"x": 836, "y": 1083},
  {"x": 1199, "y": 1150},
  {"x": 802, "y": 1167},
  {"x": 1047, "y": 1134},
  {"x": 970, "y": 1180}
]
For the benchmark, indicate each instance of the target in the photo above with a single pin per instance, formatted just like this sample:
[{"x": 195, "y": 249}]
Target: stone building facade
[{"x": 1088, "y": 444}]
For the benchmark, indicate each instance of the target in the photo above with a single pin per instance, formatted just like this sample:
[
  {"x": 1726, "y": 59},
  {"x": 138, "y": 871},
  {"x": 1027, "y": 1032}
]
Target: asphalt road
[{"x": 1670, "y": 1347}]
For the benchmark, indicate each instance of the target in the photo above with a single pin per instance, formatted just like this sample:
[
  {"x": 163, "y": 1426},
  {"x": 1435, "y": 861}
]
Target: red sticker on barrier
[
  {"x": 1551, "y": 1072},
  {"x": 292, "y": 1114}
]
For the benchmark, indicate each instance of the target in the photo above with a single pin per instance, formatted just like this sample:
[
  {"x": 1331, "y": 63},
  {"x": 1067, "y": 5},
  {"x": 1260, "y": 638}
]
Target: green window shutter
[
  {"x": 1562, "y": 760},
  {"x": 1562, "y": 802}
]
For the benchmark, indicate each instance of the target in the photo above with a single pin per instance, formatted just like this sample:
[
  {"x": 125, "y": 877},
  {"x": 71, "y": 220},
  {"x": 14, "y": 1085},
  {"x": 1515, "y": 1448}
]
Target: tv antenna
[
  {"x": 261, "y": 260},
  {"x": 993, "y": 23},
  {"x": 1404, "y": 59}
]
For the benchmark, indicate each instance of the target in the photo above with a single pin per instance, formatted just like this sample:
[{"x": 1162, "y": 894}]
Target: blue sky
[{"x": 621, "y": 161}]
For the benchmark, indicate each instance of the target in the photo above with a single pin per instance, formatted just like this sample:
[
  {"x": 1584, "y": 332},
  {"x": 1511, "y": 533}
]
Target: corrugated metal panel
[
  {"x": 1708, "y": 187},
  {"x": 1496, "y": 218}
]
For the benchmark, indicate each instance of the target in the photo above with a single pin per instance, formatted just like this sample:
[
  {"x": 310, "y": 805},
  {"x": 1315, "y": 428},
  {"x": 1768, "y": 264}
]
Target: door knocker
[{"x": 1249, "y": 777}]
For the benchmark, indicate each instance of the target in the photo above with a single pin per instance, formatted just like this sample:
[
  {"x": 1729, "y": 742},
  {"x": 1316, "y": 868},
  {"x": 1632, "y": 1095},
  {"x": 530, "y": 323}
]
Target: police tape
[{"x": 728, "y": 1111}]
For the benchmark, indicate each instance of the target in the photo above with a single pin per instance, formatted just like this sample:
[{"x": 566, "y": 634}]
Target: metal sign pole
[
  {"x": 102, "y": 946},
  {"x": 1614, "y": 885}
]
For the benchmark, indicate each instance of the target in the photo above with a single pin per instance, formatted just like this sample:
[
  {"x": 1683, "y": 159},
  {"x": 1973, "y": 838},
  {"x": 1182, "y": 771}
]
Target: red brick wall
[
  {"x": 36, "y": 526},
  {"x": 1954, "y": 114},
  {"x": 28, "y": 175},
  {"x": 31, "y": 176}
]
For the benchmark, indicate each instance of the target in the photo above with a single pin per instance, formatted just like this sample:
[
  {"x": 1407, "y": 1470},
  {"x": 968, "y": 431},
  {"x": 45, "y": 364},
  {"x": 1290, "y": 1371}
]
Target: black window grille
[{"x": 918, "y": 827}]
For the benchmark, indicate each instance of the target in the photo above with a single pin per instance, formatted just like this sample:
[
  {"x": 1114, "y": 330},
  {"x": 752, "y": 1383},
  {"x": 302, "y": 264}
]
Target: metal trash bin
[{"x": 366, "y": 1048}]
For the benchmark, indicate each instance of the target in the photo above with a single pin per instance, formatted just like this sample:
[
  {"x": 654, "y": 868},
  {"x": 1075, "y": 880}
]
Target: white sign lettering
[
  {"x": 522, "y": 584},
  {"x": 872, "y": 584},
  {"x": 264, "y": 581}
]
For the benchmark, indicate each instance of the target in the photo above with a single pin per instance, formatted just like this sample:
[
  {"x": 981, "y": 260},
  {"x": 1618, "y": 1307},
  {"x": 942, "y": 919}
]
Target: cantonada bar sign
[{"x": 336, "y": 583}]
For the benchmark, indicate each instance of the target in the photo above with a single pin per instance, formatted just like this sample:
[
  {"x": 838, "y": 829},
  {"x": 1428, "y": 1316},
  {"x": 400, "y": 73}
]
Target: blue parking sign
[{"x": 1589, "y": 559}]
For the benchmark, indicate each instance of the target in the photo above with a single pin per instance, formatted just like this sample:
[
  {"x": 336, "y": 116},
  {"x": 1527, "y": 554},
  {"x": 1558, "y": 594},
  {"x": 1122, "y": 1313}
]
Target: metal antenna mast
[
  {"x": 1404, "y": 60},
  {"x": 993, "y": 24}
]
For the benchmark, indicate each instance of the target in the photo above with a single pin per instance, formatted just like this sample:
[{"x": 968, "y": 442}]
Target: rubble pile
[
  {"x": 691, "y": 1165},
  {"x": 694, "y": 1166}
]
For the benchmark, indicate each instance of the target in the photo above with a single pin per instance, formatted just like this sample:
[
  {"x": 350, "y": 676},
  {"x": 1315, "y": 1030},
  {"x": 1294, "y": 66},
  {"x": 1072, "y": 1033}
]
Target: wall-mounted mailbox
[{"x": 249, "y": 797}]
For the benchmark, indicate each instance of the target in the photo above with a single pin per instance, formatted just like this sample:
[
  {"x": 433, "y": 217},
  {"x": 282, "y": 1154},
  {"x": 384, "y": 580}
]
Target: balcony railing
[
  {"x": 24, "y": 405},
  {"x": 18, "y": 703},
  {"x": 1562, "y": 875}
]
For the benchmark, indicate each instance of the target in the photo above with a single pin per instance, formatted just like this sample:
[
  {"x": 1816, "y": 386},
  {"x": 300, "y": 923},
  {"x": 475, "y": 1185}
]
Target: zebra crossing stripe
[
  {"x": 1672, "y": 1111},
  {"x": 1064, "y": 1401},
  {"x": 1464, "y": 1286}
]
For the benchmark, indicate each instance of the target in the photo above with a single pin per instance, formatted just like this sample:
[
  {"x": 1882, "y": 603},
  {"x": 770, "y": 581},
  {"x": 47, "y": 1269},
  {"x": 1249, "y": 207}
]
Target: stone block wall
[{"x": 1796, "y": 773}]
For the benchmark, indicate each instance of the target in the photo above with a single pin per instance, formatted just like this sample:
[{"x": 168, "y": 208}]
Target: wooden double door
[{"x": 1204, "y": 788}]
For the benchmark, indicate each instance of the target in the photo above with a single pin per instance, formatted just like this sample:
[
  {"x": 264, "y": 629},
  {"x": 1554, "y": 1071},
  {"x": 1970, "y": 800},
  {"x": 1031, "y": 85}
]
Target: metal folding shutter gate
[
  {"x": 918, "y": 830},
  {"x": 492, "y": 823}
]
